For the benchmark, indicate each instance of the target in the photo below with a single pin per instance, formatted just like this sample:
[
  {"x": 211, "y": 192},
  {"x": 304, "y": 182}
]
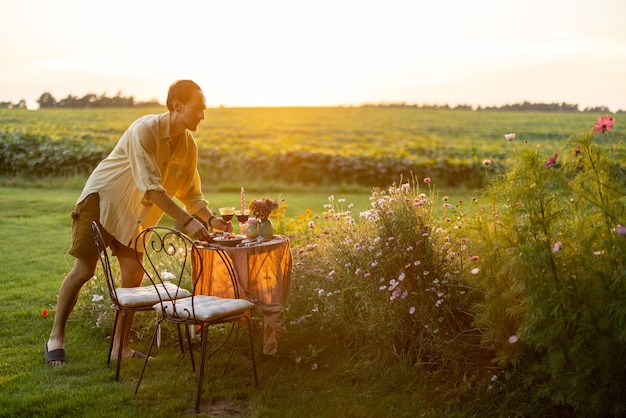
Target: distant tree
[{"x": 46, "y": 100}]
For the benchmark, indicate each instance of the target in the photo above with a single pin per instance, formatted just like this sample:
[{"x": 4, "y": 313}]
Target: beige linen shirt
[{"x": 141, "y": 162}]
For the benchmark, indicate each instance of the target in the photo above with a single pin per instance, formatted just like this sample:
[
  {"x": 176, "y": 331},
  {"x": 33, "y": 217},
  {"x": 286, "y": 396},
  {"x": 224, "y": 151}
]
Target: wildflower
[
  {"x": 474, "y": 258},
  {"x": 475, "y": 270},
  {"x": 603, "y": 125},
  {"x": 556, "y": 247},
  {"x": 391, "y": 239},
  {"x": 551, "y": 160},
  {"x": 44, "y": 313},
  {"x": 358, "y": 271},
  {"x": 97, "y": 298},
  {"x": 427, "y": 180},
  {"x": 487, "y": 162},
  {"x": 513, "y": 339},
  {"x": 620, "y": 230},
  {"x": 367, "y": 274},
  {"x": 410, "y": 248},
  {"x": 312, "y": 225},
  {"x": 411, "y": 310},
  {"x": 509, "y": 137},
  {"x": 314, "y": 366},
  {"x": 445, "y": 206}
]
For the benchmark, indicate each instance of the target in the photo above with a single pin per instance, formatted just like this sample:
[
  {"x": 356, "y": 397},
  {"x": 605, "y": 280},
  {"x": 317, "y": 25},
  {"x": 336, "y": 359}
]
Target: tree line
[
  {"x": 524, "y": 106},
  {"x": 47, "y": 101}
]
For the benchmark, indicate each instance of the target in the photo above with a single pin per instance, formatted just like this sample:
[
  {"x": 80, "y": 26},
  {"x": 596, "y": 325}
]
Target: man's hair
[{"x": 181, "y": 90}]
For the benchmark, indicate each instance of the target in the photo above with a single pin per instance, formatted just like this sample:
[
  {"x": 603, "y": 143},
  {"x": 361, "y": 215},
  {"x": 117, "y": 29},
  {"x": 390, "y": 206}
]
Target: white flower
[
  {"x": 509, "y": 137},
  {"x": 475, "y": 270},
  {"x": 166, "y": 275},
  {"x": 97, "y": 298}
]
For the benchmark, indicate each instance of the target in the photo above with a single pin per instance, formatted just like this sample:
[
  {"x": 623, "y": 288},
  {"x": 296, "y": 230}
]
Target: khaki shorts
[{"x": 83, "y": 243}]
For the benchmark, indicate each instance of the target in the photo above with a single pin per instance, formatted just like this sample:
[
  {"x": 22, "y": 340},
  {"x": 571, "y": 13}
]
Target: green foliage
[
  {"x": 553, "y": 276},
  {"x": 386, "y": 283},
  {"x": 371, "y": 147},
  {"x": 37, "y": 156}
]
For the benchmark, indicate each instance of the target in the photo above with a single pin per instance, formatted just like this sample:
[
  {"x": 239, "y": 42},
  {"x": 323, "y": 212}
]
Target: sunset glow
[{"x": 282, "y": 53}]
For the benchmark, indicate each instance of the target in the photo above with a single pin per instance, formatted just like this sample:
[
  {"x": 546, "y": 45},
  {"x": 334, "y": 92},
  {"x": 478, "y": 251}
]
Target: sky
[{"x": 318, "y": 53}]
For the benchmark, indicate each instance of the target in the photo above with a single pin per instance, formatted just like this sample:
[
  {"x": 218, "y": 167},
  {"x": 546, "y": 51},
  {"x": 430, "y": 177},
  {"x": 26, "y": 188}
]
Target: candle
[{"x": 243, "y": 200}]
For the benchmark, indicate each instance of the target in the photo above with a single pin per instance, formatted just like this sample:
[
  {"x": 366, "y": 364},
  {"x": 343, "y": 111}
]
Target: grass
[{"x": 35, "y": 231}]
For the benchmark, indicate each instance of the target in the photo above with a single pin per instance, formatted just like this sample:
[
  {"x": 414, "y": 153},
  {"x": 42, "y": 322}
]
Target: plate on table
[{"x": 229, "y": 240}]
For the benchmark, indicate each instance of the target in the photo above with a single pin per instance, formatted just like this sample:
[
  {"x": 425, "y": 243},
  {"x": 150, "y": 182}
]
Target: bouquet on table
[{"x": 261, "y": 208}]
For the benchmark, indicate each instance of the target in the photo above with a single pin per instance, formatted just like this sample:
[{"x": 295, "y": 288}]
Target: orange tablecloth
[{"x": 263, "y": 273}]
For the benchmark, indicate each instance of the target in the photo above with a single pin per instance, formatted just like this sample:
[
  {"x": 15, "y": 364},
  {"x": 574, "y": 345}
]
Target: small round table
[{"x": 263, "y": 274}]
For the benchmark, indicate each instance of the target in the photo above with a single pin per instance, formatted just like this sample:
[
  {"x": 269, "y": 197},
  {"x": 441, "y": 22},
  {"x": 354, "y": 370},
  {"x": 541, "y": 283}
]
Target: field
[
  {"x": 445, "y": 299},
  {"x": 335, "y": 149}
]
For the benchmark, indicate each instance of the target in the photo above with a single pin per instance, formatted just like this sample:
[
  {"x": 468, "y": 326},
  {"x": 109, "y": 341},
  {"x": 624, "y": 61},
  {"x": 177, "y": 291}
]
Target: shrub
[
  {"x": 386, "y": 282},
  {"x": 553, "y": 275}
]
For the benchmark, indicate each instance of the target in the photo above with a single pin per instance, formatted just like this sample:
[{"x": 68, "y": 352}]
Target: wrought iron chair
[
  {"x": 165, "y": 246},
  {"x": 129, "y": 299}
]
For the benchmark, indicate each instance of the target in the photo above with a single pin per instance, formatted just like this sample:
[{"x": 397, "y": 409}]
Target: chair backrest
[
  {"x": 166, "y": 259},
  {"x": 103, "y": 255}
]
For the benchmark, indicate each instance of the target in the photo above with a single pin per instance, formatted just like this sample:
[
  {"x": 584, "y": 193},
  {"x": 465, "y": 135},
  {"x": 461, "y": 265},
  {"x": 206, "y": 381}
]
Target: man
[{"x": 154, "y": 162}]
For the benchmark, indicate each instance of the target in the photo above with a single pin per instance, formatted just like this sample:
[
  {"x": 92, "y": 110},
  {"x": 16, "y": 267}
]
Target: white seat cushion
[
  {"x": 206, "y": 308},
  {"x": 148, "y": 295}
]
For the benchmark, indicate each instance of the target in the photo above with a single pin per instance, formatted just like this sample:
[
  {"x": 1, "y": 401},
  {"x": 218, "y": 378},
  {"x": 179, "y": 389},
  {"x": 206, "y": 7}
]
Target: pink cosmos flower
[
  {"x": 556, "y": 247},
  {"x": 427, "y": 180},
  {"x": 509, "y": 137},
  {"x": 603, "y": 125},
  {"x": 620, "y": 230},
  {"x": 411, "y": 310},
  {"x": 551, "y": 160},
  {"x": 513, "y": 339}
]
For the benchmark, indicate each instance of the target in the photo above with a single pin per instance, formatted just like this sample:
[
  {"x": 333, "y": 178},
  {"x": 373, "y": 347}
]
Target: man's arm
[{"x": 194, "y": 227}]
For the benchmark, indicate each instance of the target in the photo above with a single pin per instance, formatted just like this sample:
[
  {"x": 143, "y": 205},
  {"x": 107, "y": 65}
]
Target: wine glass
[
  {"x": 227, "y": 213},
  {"x": 242, "y": 217}
]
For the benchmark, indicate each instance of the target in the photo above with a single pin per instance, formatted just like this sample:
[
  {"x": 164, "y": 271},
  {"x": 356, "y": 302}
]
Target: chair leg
[
  {"x": 203, "y": 339},
  {"x": 145, "y": 363},
  {"x": 117, "y": 313},
  {"x": 180, "y": 341},
  {"x": 193, "y": 361},
  {"x": 234, "y": 326},
  {"x": 119, "y": 350}
]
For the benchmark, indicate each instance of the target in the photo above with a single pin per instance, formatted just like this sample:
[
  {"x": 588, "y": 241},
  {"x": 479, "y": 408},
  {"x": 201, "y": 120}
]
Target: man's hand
[
  {"x": 196, "y": 230},
  {"x": 219, "y": 223}
]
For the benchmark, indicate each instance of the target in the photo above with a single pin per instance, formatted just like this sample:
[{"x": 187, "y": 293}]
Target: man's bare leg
[
  {"x": 82, "y": 271},
  {"x": 132, "y": 275}
]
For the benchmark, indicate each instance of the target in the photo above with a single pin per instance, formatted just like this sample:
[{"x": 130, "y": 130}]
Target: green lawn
[{"x": 35, "y": 235}]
